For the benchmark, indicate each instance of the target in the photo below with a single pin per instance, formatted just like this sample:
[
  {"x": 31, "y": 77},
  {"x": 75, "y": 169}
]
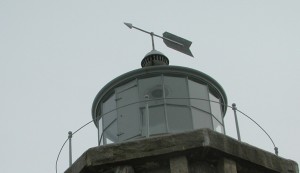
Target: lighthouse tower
[{"x": 162, "y": 118}]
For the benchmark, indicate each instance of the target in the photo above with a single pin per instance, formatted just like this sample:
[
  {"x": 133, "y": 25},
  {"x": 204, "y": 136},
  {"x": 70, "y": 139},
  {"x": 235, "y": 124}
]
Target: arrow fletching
[{"x": 183, "y": 48}]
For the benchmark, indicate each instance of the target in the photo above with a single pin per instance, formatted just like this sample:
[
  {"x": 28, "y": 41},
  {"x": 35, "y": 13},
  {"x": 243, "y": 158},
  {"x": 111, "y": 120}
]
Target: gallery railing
[{"x": 233, "y": 107}]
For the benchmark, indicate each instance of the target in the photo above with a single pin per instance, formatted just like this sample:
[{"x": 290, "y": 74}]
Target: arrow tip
[{"x": 128, "y": 24}]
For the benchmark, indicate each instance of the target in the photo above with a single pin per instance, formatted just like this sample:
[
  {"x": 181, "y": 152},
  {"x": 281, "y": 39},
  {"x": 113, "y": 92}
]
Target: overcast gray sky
[{"x": 55, "y": 55}]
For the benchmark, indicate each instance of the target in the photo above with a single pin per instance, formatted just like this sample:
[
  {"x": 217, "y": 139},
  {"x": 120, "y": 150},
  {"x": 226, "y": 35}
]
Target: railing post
[
  {"x": 147, "y": 116},
  {"x": 70, "y": 147},
  {"x": 234, "y": 108},
  {"x": 276, "y": 151}
]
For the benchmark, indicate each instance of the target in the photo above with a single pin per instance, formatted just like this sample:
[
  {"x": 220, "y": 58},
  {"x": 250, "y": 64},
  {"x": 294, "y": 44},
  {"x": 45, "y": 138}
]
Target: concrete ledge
[{"x": 195, "y": 145}]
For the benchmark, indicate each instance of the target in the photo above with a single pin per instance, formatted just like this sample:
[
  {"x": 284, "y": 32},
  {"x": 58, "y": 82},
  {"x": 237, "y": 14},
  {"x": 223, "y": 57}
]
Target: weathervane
[{"x": 172, "y": 41}]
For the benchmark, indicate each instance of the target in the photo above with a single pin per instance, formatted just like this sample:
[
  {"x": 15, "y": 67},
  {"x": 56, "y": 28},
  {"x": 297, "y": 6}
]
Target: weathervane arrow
[{"x": 172, "y": 41}]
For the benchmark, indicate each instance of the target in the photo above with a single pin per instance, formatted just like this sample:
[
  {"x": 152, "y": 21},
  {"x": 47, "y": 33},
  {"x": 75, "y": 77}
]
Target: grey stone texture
[
  {"x": 227, "y": 166},
  {"x": 199, "y": 151},
  {"x": 179, "y": 165}
]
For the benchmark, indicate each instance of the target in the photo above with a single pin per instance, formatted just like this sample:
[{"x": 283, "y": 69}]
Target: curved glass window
[
  {"x": 179, "y": 118},
  {"x": 176, "y": 91},
  {"x": 128, "y": 117},
  {"x": 216, "y": 110},
  {"x": 201, "y": 119},
  {"x": 151, "y": 92},
  {"x": 109, "y": 120},
  {"x": 175, "y": 104},
  {"x": 157, "y": 121},
  {"x": 215, "y": 107},
  {"x": 199, "y": 96},
  {"x": 151, "y": 87},
  {"x": 218, "y": 126}
]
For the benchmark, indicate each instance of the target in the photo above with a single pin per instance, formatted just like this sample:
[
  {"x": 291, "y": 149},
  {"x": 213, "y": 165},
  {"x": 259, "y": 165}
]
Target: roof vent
[{"x": 154, "y": 58}]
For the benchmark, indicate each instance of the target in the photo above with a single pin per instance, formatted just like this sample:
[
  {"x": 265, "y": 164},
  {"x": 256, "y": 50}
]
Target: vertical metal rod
[
  {"x": 276, "y": 151},
  {"x": 70, "y": 147},
  {"x": 236, "y": 121},
  {"x": 152, "y": 34},
  {"x": 147, "y": 117},
  {"x": 98, "y": 131}
]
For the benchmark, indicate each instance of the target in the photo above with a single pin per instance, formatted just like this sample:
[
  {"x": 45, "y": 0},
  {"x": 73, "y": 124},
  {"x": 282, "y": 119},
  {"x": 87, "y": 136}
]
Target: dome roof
[{"x": 154, "y": 52}]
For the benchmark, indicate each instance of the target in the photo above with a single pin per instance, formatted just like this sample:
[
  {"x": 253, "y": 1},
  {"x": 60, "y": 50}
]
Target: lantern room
[{"x": 158, "y": 99}]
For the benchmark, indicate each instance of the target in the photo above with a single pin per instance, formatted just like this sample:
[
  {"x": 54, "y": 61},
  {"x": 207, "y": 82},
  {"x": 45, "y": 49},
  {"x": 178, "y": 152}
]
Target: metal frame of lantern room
[{"x": 158, "y": 100}]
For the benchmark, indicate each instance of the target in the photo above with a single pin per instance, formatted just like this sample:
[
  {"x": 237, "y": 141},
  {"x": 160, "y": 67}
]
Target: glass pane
[
  {"x": 110, "y": 133},
  {"x": 143, "y": 121},
  {"x": 127, "y": 97},
  {"x": 157, "y": 120},
  {"x": 199, "y": 91},
  {"x": 109, "y": 104},
  {"x": 127, "y": 85},
  {"x": 217, "y": 126},
  {"x": 153, "y": 88},
  {"x": 215, "y": 107},
  {"x": 129, "y": 124},
  {"x": 179, "y": 118},
  {"x": 109, "y": 118},
  {"x": 176, "y": 87},
  {"x": 108, "y": 141},
  {"x": 201, "y": 119}
]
